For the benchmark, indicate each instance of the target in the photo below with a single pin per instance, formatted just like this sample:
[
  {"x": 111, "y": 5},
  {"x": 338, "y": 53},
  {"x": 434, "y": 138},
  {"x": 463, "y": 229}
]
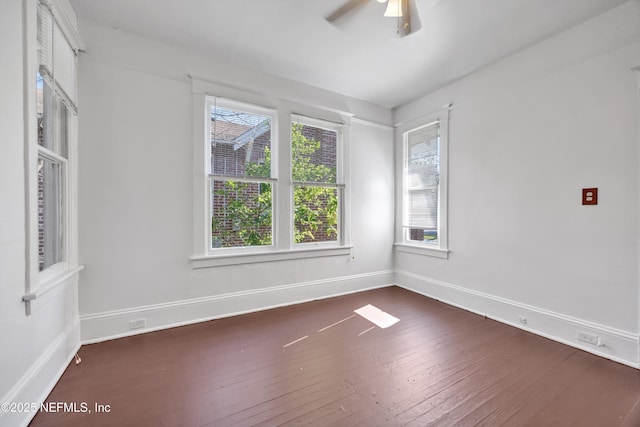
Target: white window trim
[
  {"x": 272, "y": 179},
  {"x": 257, "y": 257},
  {"x": 283, "y": 248},
  {"x": 422, "y": 250},
  {"x": 60, "y": 268},
  {"x": 58, "y": 276},
  {"x": 441, "y": 248},
  {"x": 341, "y": 154}
]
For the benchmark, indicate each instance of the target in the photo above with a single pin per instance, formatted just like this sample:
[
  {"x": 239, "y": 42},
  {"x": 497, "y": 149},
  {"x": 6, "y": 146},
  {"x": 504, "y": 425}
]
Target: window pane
[
  {"x": 240, "y": 143},
  {"x": 423, "y": 215},
  {"x": 423, "y": 235},
  {"x": 53, "y": 118},
  {"x": 423, "y": 179},
  {"x": 423, "y": 208},
  {"x": 44, "y": 107},
  {"x": 313, "y": 152},
  {"x": 49, "y": 213},
  {"x": 241, "y": 214},
  {"x": 315, "y": 214},
  {"x": 62, "y": 143},
  {"x": 424, "y": 157}
]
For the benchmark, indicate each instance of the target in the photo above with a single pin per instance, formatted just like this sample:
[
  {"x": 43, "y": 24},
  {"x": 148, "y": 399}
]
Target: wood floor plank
[
  {"x": 438, "y": 366},
  {"x": 504, "y": 396},
  {"x": 482, "y": 396},
  {"x": 425, "y": 382}
]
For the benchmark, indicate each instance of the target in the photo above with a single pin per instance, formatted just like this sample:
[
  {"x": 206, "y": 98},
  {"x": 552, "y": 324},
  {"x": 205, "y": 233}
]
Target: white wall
[
  {"x": 136, "y": 193},
  {"x": 526, "y": 135},
  {"x": 36, "y": 348}
]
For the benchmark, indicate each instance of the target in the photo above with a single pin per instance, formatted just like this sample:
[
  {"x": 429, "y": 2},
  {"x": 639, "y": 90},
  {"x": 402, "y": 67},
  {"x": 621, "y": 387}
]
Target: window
[
  {"x": 55, "y": 103},
  {"x": 316, "y": 181},
  {"x": 242, "y": 177},
  {"x": 52, "y": 119},
  {"x": 51, "y": 150},
  {"x": 424, "y": 204},
  {"x": 269, "y": 184}
]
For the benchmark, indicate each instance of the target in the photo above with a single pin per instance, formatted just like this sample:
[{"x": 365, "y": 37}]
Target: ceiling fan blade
[
  {"x": 346, "y": 8},
  {"x": 409, "y": 22},
  {"x": 414, "y": 16}
]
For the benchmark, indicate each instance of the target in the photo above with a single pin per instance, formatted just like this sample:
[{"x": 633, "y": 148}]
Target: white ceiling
[{"x": 361, "y": 56}]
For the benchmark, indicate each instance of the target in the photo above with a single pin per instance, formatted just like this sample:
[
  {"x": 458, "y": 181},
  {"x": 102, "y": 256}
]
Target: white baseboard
[
  {"x": 115, "y": 324},
  {"x": 620, "y": 346},
  {"x": 36, "y": 384}
]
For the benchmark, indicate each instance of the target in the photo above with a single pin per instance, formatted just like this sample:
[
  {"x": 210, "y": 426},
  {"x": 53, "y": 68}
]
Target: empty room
[{"x": 321, "y": 212}]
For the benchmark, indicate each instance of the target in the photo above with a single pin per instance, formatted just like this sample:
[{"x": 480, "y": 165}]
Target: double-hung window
[
  {"x": 316, "y": 172},
  {"x": 56, "y": 102},
  {"x": 424, "y": 187},
  {"x": 242, "y": 174},
  {"x": 269, "y": 184},
  {"x": 51, "y": 149},
  {"x": 52, "y": 175}
]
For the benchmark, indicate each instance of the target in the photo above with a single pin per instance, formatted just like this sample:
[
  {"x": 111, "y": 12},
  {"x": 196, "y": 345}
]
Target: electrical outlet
[
  {"x": 589, "y": 338},
  {"x": 137, "y": 324},
  {"x": 590, "y": 196}
]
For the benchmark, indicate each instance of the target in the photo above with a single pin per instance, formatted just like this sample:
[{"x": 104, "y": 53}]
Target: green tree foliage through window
[
  {"x": 315, "y": 207},
  {"x": 246, "y": 217}
]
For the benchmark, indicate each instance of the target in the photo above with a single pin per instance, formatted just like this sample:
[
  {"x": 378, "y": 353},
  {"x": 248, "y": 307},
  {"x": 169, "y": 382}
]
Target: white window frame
[
  {"x": 339, "y": 185},
  {"x": 403, "y": 243},
  {"x": 212, "y": 102},
  {"x": 283, "y": 248},
  {"x": 62, "y": 162},
  {"x": 43, "y": 285}
]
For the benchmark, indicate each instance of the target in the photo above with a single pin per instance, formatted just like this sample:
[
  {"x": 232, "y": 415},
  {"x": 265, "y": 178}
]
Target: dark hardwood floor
[{"x": 438, "y": 366}]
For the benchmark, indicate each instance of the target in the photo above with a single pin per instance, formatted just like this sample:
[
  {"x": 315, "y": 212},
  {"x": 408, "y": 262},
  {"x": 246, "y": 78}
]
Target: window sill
[
  {"x": 51, "y": 283},
  {"x": 49, "y": 288},
  {"x": 422, "y": 250},
  {"x": 255, "y": 257}
]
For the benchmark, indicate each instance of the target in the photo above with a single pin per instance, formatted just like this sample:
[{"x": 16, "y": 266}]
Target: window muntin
[
  {"x": 241, "y": 175},
  {"x": 317, "y": 187},
  {"x": 422, "y": 195}
]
